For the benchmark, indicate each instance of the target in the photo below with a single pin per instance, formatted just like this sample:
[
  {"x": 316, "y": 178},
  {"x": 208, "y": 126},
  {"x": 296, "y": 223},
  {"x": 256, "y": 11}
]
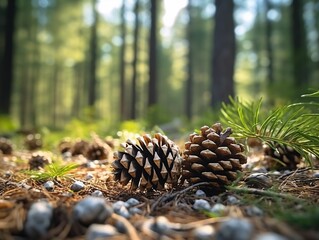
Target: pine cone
[
  {"x": 39, "y": 160},
  {"x": 80, "y": 147},
  {"x": 212, "y": 156},
  {"x": 98, "y": 149},
  {"x": 5, "y": 146},
  {"x": 33, "y": 141},
  {"x": 281, "y": 157},
  {"x": 149, "y": 164},
  {"x": 65, "y": 145}
]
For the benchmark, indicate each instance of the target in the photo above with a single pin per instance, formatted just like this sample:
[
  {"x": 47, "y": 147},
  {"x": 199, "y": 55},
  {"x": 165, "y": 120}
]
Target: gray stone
[
  {"x": 38, "y": 219},
  {"x": 123, "y": 211},
  {"x": 258, "y": 180},
  {"x": 77, "y": 186},
  {"x": 135, "y": 210},
  {"x": 232, "y": 200},
  {"x": 100, "y": 231},
  {"x": 205, "y": 232},
  {"x": 88, "y": 176},
  {"x": 200, "y": 193},
  {"x": 132, "y": 202},
  {"x": 239, "y": 229},
  {"x": 218, "y": 209},
  {"x": 118, "y": 204},
  {"x": 161, "y": 225},
  {"x": 97, "y": 193},
  {"x": 49, "y": 185},
  {"x": 316, "y": 175},
  {"x": 92, "y": 210},
  {"x": 270, "y": 236},
  {"x": 201, "y": 204},
  {"x": 253, "y": 211}
]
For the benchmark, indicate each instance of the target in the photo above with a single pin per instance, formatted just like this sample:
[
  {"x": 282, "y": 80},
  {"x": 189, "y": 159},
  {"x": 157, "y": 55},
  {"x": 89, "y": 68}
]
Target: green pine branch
[{"x": 295, "y": 125}]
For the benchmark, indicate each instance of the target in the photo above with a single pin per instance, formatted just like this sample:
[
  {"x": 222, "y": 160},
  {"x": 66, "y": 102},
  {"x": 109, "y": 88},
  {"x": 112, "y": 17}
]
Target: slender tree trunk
[
  {"x": 299, "y": 47},
  {"x": 135, "y": 59},
  {"x": 270, "y": 71},
  {"x": 223, "y": 59},
  {"x": 152, "y": 92},
  {"x": 93, "y": 58},
  {"x": 190, "y": 80},
  {"x": 123, "y": 105},
  {"x": 7, "y": 71}
]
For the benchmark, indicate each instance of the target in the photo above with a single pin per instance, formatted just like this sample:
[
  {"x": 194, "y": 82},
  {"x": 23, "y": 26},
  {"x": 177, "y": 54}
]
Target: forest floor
[{"x": 289, "y": 208}]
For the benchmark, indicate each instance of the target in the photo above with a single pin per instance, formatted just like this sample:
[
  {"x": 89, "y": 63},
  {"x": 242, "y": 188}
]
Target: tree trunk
[
  {"x": 123, "y": 106},
  {"x": 152, "y": 92},
  {"x": 189, "y": 81},
  {"x": 93, "y": 58},
  {"x": 223, "y": 53},
  {"x": 270, "y": 71},
  {"x": 135, "y": 59},
  {"x": 7, "y": 71},
  {"x": 299, "y": 47}
]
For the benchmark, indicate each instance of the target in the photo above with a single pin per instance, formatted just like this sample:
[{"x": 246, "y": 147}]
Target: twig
[
  {"x": 265, "y": 193},
  {"x": 131, "y": 231},
  {"x": 165, "y": 198},
  {"x": 294, "y": 172}
]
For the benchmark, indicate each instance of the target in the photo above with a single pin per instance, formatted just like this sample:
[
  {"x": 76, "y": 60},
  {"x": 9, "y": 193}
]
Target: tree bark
[
  {"x": 7, "y": 71},
  {"x": 152, "y": 92},
  {"x": 299, "y": 47},
  {"x": 93, "y": 59},
  {"x": 270, "y": 70},
  {"x": 135, "y": 59},
  {"x": 223, "y": 59},
  {"x": 189, "y": 81}
]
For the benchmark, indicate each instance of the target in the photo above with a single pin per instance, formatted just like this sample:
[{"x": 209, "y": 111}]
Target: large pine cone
[
  {"x": 281, "y": 157},
  {"x": 149, "y": 164},
  {"x": 212, "y": 156},
  {"x": 5, "y": 146}
]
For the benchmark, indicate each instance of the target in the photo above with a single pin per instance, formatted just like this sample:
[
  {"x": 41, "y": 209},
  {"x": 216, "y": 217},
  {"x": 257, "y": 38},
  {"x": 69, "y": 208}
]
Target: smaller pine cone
[
  {"x": 39, "y": 160},
  {"x": 98, "y": 149},
  {"x": 212, "y": 156},
  {"x": 281, "y": 157},
  {"x": 5, "y": 146},
  {"x": 80, "y": 147},
  {"x": 33, "y": 141},
  {"x": 65, "y": 146},
  {"x": 148, "y": 164}
]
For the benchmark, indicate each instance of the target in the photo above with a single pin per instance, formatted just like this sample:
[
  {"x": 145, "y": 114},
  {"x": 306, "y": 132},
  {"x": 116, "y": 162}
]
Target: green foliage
[
  {"x": 294, "y": 125},
  {"x": 52, "y": 171},
  {"x": 6, "y": 124}
]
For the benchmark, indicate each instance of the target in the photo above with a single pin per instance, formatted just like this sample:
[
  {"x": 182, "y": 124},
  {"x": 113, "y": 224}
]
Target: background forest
[{"x": 158, "y": 61}]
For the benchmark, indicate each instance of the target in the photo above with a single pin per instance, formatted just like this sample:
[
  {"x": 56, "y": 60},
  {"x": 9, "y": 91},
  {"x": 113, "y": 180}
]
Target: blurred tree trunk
[
  {"x": 93, "y": 56},
  {"x": 135, "y": 58},
  {"x": 152, "y": 92},
  {"x": 190, "y": 80},
  {"x": 299, "y": 47},
  {"x": 7, "y": 60},
  {"x": 269, "y": 44},
  {"x": 223, "y": 57},
  {"x": 123, "y": 106}
]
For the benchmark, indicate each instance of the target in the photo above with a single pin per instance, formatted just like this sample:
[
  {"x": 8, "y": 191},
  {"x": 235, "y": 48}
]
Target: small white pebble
[
  {"x": 49, "y": 185},
  {"x": 132, "y": 202},
  {"x": 90, "y": 165},
  {"x": 67, "y": 155},
  {"x": 253, "y": 211},
  {"x": 218, "y": 209},
  {"x": 97, "y": 193},
  {"x": 200, "y": 193},
  {"x": 232, "y": 200},
  {"x": 239, "y": 229},
  {"x": 117, "y": 205},
  {"x": 92, "y": 210},
  {"x": 77, "y": 186},
  {"x": 135, "y": 210},
  {"x": 38, "y": 219},
  {"x": 205, "y": 232},
  {"x": 88, "y": 176},
  {"x": 123, "y": 211},
  {"x": 316, "y": 175},
  {"x": 201, "y": 204},
  {"x": 100, "y": 231},
  {"x": 270, "y": 236}
]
